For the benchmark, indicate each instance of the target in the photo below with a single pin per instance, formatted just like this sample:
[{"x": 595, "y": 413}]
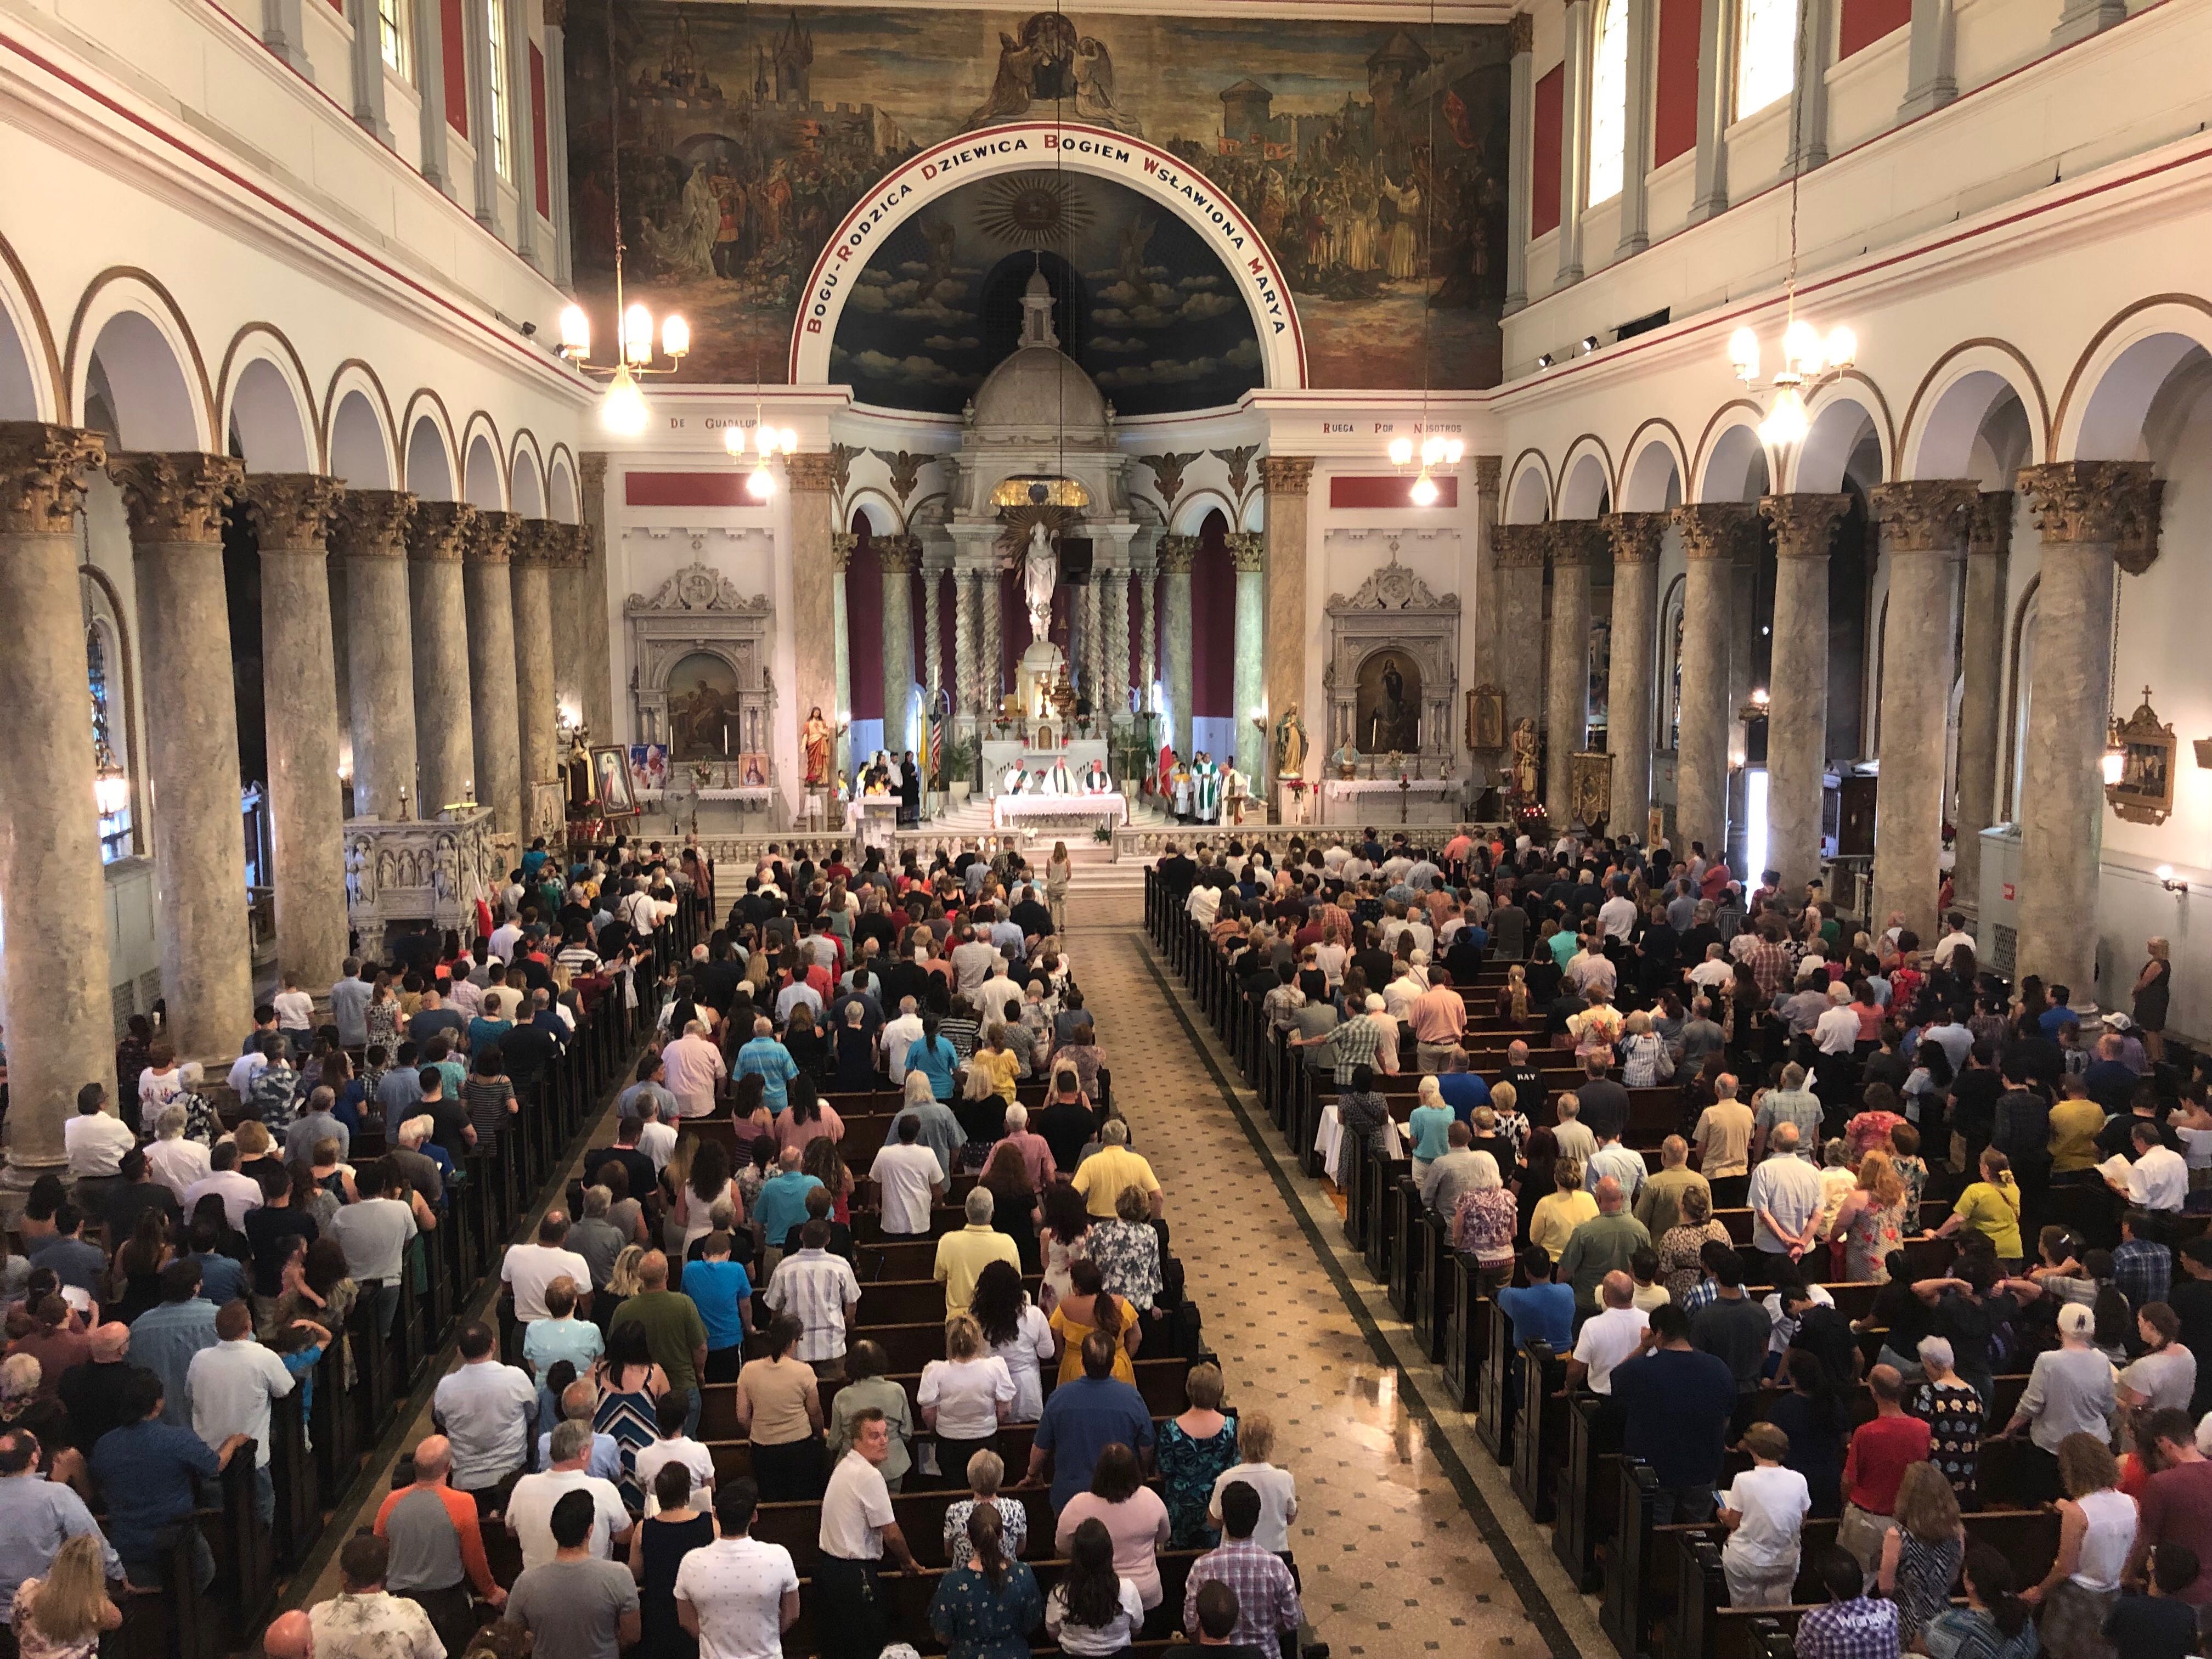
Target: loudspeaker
[{"x": 1075, "y": 559}]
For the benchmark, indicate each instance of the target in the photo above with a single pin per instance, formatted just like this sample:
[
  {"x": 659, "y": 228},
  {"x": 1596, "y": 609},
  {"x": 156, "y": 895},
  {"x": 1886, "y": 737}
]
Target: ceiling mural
[
  {"x": 1143, "y": 304},
  {"x": 1372, "y": 158}
]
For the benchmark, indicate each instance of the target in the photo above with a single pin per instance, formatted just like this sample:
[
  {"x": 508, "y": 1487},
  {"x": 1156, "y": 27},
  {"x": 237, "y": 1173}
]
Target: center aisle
[{"x": 1392, "y": 1560}]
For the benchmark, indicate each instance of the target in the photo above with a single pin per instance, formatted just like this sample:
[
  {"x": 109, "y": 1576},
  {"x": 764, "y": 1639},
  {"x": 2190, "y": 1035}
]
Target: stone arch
[
  {"x": 1190, "y": 512},
  {"x": 526, "y": 477},
  {"x": 268, "y": 409},
  {"x": 886, "y": 510},
  {"x": 359, "y": 445},
  {"x": 483, "y": 477},
  {"x": 1586, "y": 482},
  {"x": 1655, "y": 469},
  {"x": 1164, "y": 178},
  {"x": 1732, "y": 463},
  {"x": 561, "y": 486},
  {"x": 129, "y": 345},
  {"x": 2110, "y": 394},
  {"x": 1528, "y": 497},
  {"x": 431, "y": 471},
  {"x": 30, "y": 367},
  {"x": 1842, "y": 407},
  {"x": 1964, "y": 387}
]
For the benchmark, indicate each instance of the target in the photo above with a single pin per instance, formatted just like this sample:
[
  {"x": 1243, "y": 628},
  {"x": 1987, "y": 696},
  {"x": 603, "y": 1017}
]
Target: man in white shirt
[
  {"x": 695, "y": 1070},
  {"x": 910, "y": 1178},
  {"x": 1400, "y": 995},
  {"x": 1618, "y": 1331},
  {"x": 656, "y": 1139},
  {"x": 898, "y": 1034},
  {"x": 505, "y": 938},
  {"x": 999, "y": 999},
  {"x": 1590, "y": 968},
  {"x": 2158, "y": 1179},
  {"x": 673, "y": 1445},
  {"x": 1785, "y": 1200},
  {"x": 1837, "y": 1031},
  {"x": 483, "y": 1407},
  {"x": 530, "y": 1510},
  {"x": 95, "y": 1139},
  {"x": 972, "y": 960},
  {"x": 1714, "y": 971},
  {"x": 231, "y": 1385},
  {"x": 527, "y": 1269},
  {"x": 243, "y": 1070},
  {"x": 858, "y": 1527},
  {"x": 1616, "y": 917},
  {"x": 1954, "y": 935},
  {"x": 240, "y": 1192},
  {"x": 818, "y": 1290},
  {"x": 295, "y": 1012},
  {"x": 737, "y": 1594}
]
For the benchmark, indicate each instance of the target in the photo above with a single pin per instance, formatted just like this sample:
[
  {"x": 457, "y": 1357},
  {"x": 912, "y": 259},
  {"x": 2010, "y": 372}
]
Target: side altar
[{"x": 418, "y": 870}]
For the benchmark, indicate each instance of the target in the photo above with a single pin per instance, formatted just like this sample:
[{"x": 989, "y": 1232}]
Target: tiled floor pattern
[{"x": 1394, "y": 1562}]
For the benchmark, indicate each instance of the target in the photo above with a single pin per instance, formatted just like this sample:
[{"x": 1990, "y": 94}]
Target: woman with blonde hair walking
[{"x": 1869, "y": 1223}]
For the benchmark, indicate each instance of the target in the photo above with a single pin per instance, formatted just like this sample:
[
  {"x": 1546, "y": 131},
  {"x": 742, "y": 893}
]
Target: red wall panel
[
  {"x": 1387, "y": 491},
  {"x": 1549, "y": 107},
  {"x": 685, "y": 489},
  {"x": 1674, "y": 112},
  {"x": 537, "y": 142},
  {"x": 1865, "y": 21},
  {"x": 457, "y": 67}
]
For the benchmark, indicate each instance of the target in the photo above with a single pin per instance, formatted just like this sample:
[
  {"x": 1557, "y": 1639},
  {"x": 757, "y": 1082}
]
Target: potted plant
[{"x": 962, "y": 756}]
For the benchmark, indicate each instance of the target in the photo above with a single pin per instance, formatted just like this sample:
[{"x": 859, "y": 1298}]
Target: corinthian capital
[
  {"x": 1717, "y": 530},
  {"x": 1247, "y": 549},
  {"x": 1574, "y": 541},
  {"x": 42, "y": 472},
  {"x": 176, "y": 495},
  {"x": 1522, "y": 546},
  {"x": 811, "y": 475},
  {"x": 1176, "y": 554},
  {"x": 1286, "y": 475},
  {"x": 1988, "y": 529},
  {"x": 841, "y": 544},
  {"x": 371, "y": 524},
  {"x": 1923, "y": 515},
  {"x": 902, "y": 555},
  {"x": 292, "y": 511},
  {"x": 1636, "y": 535},
  {"x": 491, "y": 538},
  {"x": 1804, "y": 524},
  {"x": 439, "y": 530},
  {"x": 2114, "y": 502}
]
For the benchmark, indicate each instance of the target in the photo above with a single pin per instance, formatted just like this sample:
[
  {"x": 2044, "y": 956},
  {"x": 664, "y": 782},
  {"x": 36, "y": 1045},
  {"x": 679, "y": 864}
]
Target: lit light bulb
[
  {"x": 576, "y": 332},
  {"x": 1432, "y": 450},
  {"x": 2164, "y": 872},
  {"x": 733, "y": 440},
  {"x": 1800, "y": 347},
  {"x": 1453, "y": 450},
  {"x": 1423, "y": 491},
  {"x": 760, "y": 482},
  {"x": 1786, "y": 423},
  {"x": 2114, "y": 761},
  {"x": 637, "y": 334},
  {"x": 1401, "y": 451},
  {"x": 623, "y": 410},
  {"x": 790, "y": 441},
  {"x": 1843, "y": 347},
  {"x": 675, "y": 336},
  {"x": 110, "y": 793},
  {"x": 1743, "y": 354}
]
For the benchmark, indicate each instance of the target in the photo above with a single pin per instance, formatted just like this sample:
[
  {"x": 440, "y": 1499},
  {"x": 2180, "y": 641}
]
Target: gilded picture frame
[{"x": 1486, "y": 719}]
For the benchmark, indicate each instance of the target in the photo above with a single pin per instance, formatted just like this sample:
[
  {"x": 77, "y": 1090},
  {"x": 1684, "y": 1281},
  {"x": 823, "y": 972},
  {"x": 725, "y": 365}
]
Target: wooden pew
[{"x": 1160, "y": 1381}]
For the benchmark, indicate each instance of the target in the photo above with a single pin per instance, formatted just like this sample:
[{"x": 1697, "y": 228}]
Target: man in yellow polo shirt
[
  {"x": 963, "y": 1255},
  {"x": 1101, "y": 1177}
]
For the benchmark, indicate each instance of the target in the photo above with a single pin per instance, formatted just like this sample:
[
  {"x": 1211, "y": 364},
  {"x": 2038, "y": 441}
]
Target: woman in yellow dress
[{"x": 1090, "y": 1307}]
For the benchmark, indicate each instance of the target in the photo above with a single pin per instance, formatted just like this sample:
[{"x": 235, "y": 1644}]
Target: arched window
[
  {"x": 1669, "y": 722},
  {"x": 112, "y": 782},
  {"x": 1765, "y": 53},
  {"x": 1608, "y": 130}
]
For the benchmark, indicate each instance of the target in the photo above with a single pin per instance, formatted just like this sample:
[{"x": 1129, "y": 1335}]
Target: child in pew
[
  {"x": 2158, "y": 1625},
  {"x": 1995, "y": 1624},
  {"x": 1763, "y": 1509}
]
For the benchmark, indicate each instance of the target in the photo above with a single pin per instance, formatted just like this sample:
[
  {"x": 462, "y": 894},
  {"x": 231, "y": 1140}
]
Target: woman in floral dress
[{"x": 1194, "y": 1449}]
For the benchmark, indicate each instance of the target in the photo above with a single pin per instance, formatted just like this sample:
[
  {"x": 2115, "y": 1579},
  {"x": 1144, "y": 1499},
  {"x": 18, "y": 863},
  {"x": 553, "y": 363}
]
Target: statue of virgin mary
[{"x": 1040, "y": 575}]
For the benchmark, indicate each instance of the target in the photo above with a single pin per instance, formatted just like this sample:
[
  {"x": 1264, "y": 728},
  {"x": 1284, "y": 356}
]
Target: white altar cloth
[
  {"x": 1426, "y": 800},
  {"x": 1043, "y": 812}
]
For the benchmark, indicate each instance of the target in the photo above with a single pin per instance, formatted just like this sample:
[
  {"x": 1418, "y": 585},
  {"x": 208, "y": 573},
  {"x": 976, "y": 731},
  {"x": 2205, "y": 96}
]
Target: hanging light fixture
[
  {"x": 1806, "y": 353},
  {"x": 1435, "y": 452},
  {"x": 767, "y": 440},
  {"x": 111, "y": 785},
  {"x": 623, "y": 409}
]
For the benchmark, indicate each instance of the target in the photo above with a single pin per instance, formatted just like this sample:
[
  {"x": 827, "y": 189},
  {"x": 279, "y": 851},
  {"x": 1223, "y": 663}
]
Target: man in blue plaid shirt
[{"x": 2142, "y": 1268}]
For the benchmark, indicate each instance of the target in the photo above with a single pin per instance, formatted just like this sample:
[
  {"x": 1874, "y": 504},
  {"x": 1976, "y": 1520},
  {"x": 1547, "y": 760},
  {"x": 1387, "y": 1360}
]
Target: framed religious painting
[
  {"x": 611, "y": 774},
  {"x": 1486, "y": 719},
  {"x": 2144, "y": 747}
]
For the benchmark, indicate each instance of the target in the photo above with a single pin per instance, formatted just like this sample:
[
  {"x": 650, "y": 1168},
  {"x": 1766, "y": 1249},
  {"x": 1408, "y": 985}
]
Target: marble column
[
  {"x": 596, "y": 670},
  {"x": 1487, "y": 470},
  {"x": 1715, "y": 101},
  {"x": 841, "y": 544},
  {"x": 445, "y": 747},
  {"x": 62, "y": 1035},
  {"x": 548, "y": 557},
  {"x": 1981, "y": 652},
  {"x": 1148, "y": 641},
  {"x": 1715, "y": 534},
  {"x": 1574, "y": 146},
  {"x": 1518, "y": 656},
  {"x": 175, "y": 504},
  {"x": 1631, "y": 681},
  {"x": 901, "y": 557},
  {"x": 1176, "y": 555},
  {"x": 1093, "y": 614},
  {"x": 490, "y": 574},
  {"x": 1797, "y": 683},
  {"x": 1289, "y": 480},
  {"x": 1256, "y": 644},
  {"x": 1520, "y": 31},
  {"x": 813, "y": 573},
  {"x": 933, "y": 635},
  {"x": 990, "y": 668},
  {"x": 370, "y": 535},
  {"x": 292, "y": 513},
  {"x": 966, "y": 671},
  {"x": 1117, "y": 645},
  {"x": 1572, "y": 543},
  {"x": 1923, "y": 528},
  {"x": 2088, "y": 513}
]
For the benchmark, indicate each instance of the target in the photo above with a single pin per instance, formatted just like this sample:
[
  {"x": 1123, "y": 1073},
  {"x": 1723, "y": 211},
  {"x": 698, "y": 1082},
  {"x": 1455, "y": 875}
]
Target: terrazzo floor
[{"x": 1395, "y": 1538}]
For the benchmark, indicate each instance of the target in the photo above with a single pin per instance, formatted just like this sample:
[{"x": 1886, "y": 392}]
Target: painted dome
[{"x": 1038, "y": 392}]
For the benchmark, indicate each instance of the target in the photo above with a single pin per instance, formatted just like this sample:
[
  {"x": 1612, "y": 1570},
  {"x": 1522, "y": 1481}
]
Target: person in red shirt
[
  {"x": 2176, "y": 1507},
  {"x": 1881, "y": 1449}
]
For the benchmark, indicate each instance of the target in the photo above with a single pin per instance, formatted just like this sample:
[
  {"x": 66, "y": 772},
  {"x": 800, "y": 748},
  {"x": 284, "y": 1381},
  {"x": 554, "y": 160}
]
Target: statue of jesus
[{"x": 1040, "y": 575}]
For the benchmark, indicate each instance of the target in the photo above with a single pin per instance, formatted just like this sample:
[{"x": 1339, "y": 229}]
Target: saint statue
[
  {"x": 1040, "y": 575},
  {"x": 1290, "y": 744},
  {"x": 1524, "y": 758},
  {"x": 1346, "y": 759},
  {"x": 815, "y": 738},
  {"x": 583, "y": 795}
]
